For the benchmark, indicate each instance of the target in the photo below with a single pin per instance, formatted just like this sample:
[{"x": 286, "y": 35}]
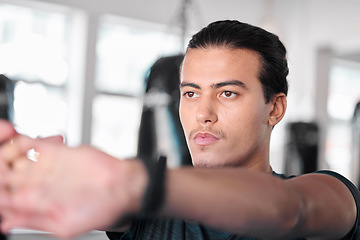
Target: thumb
[{"x": 53, "y": 139}]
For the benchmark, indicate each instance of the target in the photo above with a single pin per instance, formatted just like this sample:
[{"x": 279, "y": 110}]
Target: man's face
[{"x": 222, "y": 108}]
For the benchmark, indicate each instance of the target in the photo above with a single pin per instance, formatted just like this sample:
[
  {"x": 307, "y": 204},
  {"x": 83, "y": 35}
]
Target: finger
[
  {"x": 54, "y": 139},
  {"x": 21, "y": 167},
  {"x": 4, "y": 171},
  {"x": 20, "y": 145},
  {"x": 45, "y": 150},
  {"x": 5, "y": 199},
  {"x": 7, "y": 130},
  {"x": 24, "y": 143},
  {"x": 14, "y": 148},
  {"x": 9, "y": 150},
  {"x": 14, "y": 180}
]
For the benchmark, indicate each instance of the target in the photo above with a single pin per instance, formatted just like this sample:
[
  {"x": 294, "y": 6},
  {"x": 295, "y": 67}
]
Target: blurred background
[{"x": 99, "y": 73}]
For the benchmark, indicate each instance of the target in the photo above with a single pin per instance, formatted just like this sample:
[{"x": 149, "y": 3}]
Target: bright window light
[
  {"x": 40, "y": 111},
  {"x": 32, "y": 45},
  {"x": 115, "y": 124},
  {"x": 125, "y": 52},
  {"x": 344, "y": 94},
  {"x": 33, "y": 53}
]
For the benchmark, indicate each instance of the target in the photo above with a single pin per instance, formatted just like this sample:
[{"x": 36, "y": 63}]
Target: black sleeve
[
  {"x": 114, "y": 235},
  {"x": 355, "y": 232}
]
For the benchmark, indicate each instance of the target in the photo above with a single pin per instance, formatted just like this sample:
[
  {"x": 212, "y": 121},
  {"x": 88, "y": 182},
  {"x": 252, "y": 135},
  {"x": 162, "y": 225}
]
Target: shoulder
[
  {"x": 329, "y": 178},
  {"x": 355, "y": 233},
  {"x": 335, "y": 191}
]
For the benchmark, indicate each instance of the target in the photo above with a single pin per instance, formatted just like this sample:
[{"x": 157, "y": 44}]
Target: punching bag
[
  {"x": 160, "y": 130},
  {"x": 6, "y": 98}
]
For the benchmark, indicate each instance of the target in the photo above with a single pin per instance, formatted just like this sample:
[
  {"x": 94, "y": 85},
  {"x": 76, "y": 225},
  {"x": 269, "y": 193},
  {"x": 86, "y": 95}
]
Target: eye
[
  {"x": 228, "y": 94},
  {"x": 190, "y": 94}
]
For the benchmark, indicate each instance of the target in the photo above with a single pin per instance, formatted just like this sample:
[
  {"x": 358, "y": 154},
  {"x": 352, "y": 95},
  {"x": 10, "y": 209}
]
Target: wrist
[
  {"x": 130, "y": 185},
  {"x": 154, "y": 195},
  {"x": 144, "y": 184},
  {"x": 138, "y": 182}
]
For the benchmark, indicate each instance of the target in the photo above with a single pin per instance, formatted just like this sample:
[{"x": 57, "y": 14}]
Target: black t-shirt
[{"x": 172, "y": 229}]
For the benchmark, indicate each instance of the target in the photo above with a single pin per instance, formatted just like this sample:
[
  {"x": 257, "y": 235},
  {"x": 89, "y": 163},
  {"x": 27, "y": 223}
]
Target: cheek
[
  {"x": 254, "y": 111},
  {"x": 181, "y": 112},
  {"x": 245, "y": 121},
  {"x": 184, "y": 118}
]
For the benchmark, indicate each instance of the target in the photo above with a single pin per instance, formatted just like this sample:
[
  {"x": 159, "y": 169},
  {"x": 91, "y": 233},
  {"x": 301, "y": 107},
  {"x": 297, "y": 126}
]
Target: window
[
  {"x": 125, "y": 52},
  {"x": 38, "y": 52},
  {"x": 33, "y": 53},
  {"x": 344, "y": 94}
]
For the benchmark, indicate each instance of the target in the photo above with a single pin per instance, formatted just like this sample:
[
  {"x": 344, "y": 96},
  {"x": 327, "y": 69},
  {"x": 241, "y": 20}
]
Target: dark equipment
[
  {"x": 301, "y": 154},
  {"x": 6, "y": 98},
  {"x": 161, "y": 110},
  {"x": 355, "y": 144}
]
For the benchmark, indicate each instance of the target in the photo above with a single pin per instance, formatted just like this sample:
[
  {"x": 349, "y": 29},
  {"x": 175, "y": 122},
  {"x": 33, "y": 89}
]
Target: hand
[
  {"x": 68, "y": 191},
  {"x": 8, "y": 133}
]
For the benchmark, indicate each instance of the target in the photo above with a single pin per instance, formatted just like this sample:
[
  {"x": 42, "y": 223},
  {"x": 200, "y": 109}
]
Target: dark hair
[{"x": 235, "y": 35}]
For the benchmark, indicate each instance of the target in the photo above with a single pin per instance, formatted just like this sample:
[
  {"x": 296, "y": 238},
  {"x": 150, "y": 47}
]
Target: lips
[{"x": 204, "y": 139}]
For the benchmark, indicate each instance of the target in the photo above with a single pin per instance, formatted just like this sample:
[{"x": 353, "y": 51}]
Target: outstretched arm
[
  {"x": 254, "y": 203},
  {"x": 70, "y": 191}
]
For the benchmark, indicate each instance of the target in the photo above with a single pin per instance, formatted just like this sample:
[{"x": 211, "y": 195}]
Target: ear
[{"x": 277, "y": 109}]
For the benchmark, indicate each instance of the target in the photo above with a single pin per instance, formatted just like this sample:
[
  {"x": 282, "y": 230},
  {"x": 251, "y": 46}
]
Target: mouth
[{"x": 204, "y": 139}]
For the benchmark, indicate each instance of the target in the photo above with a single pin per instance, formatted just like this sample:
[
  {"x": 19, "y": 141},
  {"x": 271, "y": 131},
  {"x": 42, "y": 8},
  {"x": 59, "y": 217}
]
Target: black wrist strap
[{"x": 154, "y": 195}]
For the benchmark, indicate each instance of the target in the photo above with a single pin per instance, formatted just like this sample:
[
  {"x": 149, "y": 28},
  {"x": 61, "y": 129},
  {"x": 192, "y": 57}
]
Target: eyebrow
[
  {"x": 187, "y": 84},
  {"x": 216, "y": 85},
  {"x": 230, "y": 82}
]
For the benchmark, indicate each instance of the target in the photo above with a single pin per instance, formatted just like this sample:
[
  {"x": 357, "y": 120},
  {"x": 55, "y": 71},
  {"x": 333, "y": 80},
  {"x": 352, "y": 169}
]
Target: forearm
[{"x": 236, "y": 200}]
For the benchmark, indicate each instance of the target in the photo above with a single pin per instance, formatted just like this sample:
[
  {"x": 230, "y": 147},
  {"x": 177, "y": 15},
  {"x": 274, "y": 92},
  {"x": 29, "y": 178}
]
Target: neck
[
  {"x": 263, "y": 166},
  {"x": 259, "y": 161}
]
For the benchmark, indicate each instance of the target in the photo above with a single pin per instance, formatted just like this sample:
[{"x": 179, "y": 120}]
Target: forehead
[{"x": 212, "y": 65}]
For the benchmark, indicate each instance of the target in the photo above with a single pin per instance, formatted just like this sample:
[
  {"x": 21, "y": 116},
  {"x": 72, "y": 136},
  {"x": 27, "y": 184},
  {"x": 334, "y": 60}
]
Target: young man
[{"x": 233, "y": 92}]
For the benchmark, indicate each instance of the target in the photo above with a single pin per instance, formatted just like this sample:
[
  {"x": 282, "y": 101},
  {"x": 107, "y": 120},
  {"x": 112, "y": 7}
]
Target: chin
[
  {"x": 212, "y": 161},
  {"x": 204, "y": 157},
  {"x": 207, "y": 163}
]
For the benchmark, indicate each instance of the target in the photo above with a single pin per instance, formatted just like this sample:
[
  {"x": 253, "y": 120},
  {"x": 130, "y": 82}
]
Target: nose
[{"x": 206, "y": 112}]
